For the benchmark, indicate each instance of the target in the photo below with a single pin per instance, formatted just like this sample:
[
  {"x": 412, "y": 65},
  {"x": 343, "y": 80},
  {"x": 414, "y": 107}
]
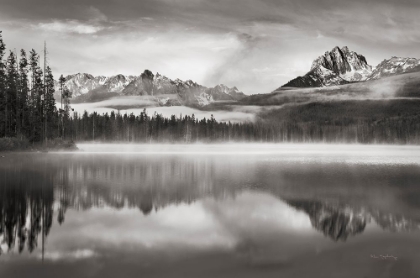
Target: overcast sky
[{"x": 256, "y": 45}]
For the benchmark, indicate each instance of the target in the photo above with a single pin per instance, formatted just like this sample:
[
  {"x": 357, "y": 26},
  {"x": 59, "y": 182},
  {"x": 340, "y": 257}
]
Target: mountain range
[
  {"x": 342, "y": 66},
  {"x": 88, "y": 88}
]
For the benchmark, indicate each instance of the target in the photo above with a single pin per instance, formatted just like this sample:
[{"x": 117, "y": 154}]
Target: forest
[
  {"x": 28, "y": 113},
  {"x": 27, "y": 105}
]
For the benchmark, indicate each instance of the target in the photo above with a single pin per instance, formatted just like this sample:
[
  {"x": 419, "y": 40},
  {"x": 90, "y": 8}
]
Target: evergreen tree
[
  {"x": 66, "y": 111},
  {"x": 11, "y": 95},
  {"x": 37, "y": 90},
  {"x": 23, "y": 108},
  {"x": 2, "y": 88},
  {"x": 49, "y": 105},
  {"x": 61, "y": 82}
]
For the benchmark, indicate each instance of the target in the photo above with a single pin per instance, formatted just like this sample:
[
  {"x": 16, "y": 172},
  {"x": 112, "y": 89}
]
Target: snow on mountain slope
[
  {"x": 342, "y": 66},
  {"x": 87, "y": 87},
  {"x": 345, "y": 63},
  {"x": 395, "y": 65},
  {"x": 118, "y": 82},
  {"x": 83, "y": 83},
  {"x": 335, "y": 67},
  {"x": 80, "y": 83},
  {"x": 317, "y": 77}
]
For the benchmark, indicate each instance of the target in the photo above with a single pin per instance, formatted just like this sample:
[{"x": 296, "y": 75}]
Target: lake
[{"x": 245, "y": 210}]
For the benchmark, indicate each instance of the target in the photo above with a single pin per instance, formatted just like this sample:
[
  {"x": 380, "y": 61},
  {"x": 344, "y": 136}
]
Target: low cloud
[{"x": 69, "y": 26}]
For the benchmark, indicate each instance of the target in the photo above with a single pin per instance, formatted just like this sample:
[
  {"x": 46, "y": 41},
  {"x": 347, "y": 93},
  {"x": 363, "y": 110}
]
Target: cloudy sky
[{"x": 256, "y": 45}]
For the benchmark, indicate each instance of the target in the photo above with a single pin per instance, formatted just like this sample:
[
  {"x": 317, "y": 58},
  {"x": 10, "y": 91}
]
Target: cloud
[
  {"x": 210, "y": 41},
  {"x": 236, "y": 115},
  {"x": 70, "y": 26},
  {"x": 94, "y": 14}
]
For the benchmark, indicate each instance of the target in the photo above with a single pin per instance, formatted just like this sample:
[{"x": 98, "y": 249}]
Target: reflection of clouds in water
[
  {"x": 79, "y": 254},
  {"x": 204, "y": 225},
  {"x": 259, "y": 211},
  {"x": 183, "y": 226}
]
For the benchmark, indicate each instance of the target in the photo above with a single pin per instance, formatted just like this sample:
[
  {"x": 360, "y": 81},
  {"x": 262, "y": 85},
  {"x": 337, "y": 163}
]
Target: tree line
[{"x": 144, "y": 128}]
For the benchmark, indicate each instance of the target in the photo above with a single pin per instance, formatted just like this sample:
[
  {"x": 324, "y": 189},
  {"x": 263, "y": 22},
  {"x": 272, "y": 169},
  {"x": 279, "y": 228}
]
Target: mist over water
[
  {"x": 382, "y": 154},
  {"x": 136, "y": 105}
]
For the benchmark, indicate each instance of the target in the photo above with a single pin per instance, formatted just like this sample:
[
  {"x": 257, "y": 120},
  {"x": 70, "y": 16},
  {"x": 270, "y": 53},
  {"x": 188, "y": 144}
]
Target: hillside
[
  {"x": 398, "y": 86},
  {"x": 385, "y": 110}
]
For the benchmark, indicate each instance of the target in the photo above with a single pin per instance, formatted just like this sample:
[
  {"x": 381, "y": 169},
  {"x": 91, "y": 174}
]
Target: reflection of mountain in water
[
  {"x": 28, "y": 196},
  {"x": 395, "y": 223},
  {"x": 337, "y": 223}
]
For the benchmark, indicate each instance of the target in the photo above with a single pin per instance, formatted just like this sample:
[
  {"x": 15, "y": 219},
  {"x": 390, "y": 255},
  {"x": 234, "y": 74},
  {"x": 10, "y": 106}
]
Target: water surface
[{"x": 211, "y": 211}]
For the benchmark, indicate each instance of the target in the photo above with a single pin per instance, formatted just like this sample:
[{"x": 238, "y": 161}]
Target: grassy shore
[{"x": 16, "y": 144}]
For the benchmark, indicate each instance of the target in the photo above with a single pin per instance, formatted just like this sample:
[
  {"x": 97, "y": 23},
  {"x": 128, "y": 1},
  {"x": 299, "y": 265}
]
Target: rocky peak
[
  {"x": 79, "y": 76},
  {"x": 344, "y": 63},
  {"x": 336, "y": 67}
]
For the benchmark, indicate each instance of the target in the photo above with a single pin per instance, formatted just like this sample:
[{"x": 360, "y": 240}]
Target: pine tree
[
  {"x": 67, "y": 109},
  {"x": 2, "y": 88},
  {"x": 23, "y": 107},
  {"x": 37, "y": 88},
  {"x": 49, "y": 104},
  {"x": 11, "y": 95}
]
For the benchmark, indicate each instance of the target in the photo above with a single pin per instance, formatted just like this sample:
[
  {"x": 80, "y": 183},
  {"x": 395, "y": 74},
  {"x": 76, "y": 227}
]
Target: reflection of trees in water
[
  {"x": 29, "y": 197},
  {"x": 26, "y": 208},
  {"x": 145, "y": 185}
]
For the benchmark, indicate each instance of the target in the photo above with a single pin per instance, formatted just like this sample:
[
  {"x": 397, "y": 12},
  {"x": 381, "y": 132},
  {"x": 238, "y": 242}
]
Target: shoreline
[{"x": 8, "y": 144}]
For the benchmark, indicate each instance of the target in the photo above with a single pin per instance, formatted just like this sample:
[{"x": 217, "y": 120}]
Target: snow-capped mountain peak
[
  {"x": 395, "y": 65},
  {"x": 341, "y": 66},
  {"x": 347, "y": 64},
  {"x": 187, "y": 91}
]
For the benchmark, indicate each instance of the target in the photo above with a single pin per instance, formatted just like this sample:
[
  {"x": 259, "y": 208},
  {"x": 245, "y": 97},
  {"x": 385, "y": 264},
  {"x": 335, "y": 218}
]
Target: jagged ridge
[{"x": 87, "y": 87}]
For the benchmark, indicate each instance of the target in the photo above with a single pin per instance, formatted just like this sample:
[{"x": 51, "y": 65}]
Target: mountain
[
  {"x": 395, "y": 65},
  {"x": 88, "y": 88},
  {"x": 187, "y": 90},
  {"x": 82, "y": 83},
  {"x": 341, "y": 66},
  {"x": 222, "y": 92},
  {"x": 335, "y": 67}
]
